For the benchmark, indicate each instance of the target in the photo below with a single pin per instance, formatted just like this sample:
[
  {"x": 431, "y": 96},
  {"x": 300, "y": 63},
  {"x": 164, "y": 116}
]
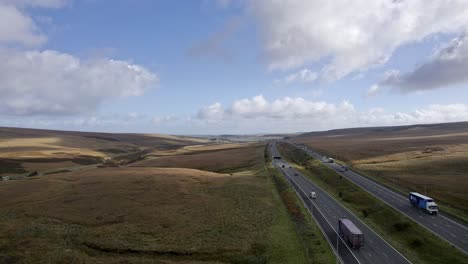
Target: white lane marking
[
  {"x": 385, "y": 254},
  {"x": 336, "y": 232},
  {"x": 434, "y": 224},
  {"x": 402, "y": 198},
  {"x": 347, "y": 210},
  {"x": 453, "y": 235},
  {"x": 460, "y": 225}
]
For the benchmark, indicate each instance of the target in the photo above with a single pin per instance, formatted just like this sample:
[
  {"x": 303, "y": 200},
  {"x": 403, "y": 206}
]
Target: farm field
[{"x": 431, "y": 159}]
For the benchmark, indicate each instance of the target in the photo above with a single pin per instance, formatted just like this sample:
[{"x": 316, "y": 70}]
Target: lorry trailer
[
  {"x": 350, "y": 233},
  {"x": 423, "y": 202}
]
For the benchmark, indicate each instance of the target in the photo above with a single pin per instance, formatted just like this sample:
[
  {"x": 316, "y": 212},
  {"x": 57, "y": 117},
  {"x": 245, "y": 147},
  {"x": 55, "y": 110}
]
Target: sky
[{"x": 231, "y": 67}]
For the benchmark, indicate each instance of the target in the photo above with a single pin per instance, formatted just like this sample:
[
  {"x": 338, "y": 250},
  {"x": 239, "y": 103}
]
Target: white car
[{"x": 313, "y": 195}]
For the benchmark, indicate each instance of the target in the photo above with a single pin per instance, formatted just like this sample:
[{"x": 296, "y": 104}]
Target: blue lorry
[{"x": 423, "y": 202}]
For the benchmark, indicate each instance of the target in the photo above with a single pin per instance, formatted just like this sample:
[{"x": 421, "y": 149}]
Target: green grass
[
  {"x": 414, "y": 241},
  {"x": 436, "y": 167},
  {"x": 387, "y": 178},
  {"x": 313, "y": 247},
  {"x": 445, "y": 202}
]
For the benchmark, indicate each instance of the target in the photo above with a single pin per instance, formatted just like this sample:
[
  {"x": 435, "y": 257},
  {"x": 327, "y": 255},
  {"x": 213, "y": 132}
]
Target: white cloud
[
  {"x": 349, "y": 37},
  {"x": 302, "y": 76},
  {"x": 212, "y": 112},
  {"x": 256, "y": 114},
  {"x": 49, "y": 82},
  {"x": 131, "y": 122},
  {"x": 54, "y": 83},
  {"x": 18, "y": 28},
  {"x": 159, "y": 120},
  {"x": 447, "y": 66},
  {"x": 250, "y": 107},
  {"x": 283, "y": 108},
  {"x": 298, "y": 115},
  {"x": 435, "y": 113},
  {"x": 286, "y": 107},
  {"x": 373, "y": 91}
]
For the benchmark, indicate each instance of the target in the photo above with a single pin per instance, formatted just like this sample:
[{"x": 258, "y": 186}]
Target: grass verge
[
  {"x": 432, "y": 168},
  {"x": 315, "y": 248},
  {"x": 414, "y": 241},
  {"x": 456, "y": 213}
]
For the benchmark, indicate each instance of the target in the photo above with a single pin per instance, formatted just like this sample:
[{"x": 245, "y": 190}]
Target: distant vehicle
[
  {"x": 344, "y": 168},
  {"x": 313, "y": 195},
  {"x": 296, "y": 174},
  {"x": 276, "y": 157},
  {"x": 423, "y": 202},
  {"x": 327, "y": 160},
  {"x": 330, "y": 160},
  {"x": 350, "y": 233},
  {"x": 282, "y": 166}
]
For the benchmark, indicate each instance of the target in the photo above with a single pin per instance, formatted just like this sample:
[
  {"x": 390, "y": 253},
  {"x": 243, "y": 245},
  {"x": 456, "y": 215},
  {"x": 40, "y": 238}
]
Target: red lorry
[{"x": 350, "y": 233}]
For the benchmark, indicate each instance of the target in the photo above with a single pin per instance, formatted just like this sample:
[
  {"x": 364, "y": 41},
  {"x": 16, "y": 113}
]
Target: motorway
[
  {"x": 375, "y": 250},
  {"x": 454, "y": 232}
]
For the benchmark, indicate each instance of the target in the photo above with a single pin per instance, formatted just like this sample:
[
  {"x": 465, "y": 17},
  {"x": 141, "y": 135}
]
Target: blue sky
[{"x": 209, "y": 67}]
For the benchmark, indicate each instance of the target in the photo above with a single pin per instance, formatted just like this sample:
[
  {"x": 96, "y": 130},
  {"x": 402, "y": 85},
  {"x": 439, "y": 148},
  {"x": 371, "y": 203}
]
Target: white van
[{"x": 313, "y": 195}]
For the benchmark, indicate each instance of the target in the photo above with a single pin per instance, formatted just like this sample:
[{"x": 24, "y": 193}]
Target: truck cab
[{"x": 431, "y": 207}]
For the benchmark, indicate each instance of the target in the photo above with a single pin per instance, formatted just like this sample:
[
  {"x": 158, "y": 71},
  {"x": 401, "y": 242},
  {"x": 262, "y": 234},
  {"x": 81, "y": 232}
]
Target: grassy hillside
[
  {"x": 24, "y": 151},
  {"x": 210, "y": 157},
  {"x": 431, "y": 159},
  {"x": 191, "y": 203}
]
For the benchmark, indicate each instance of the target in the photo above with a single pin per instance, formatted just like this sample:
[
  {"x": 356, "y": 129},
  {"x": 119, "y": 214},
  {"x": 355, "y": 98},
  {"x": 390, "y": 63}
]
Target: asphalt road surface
[
  {"x": 375, "y": 250},
  {"x": 450, "y": 230}
]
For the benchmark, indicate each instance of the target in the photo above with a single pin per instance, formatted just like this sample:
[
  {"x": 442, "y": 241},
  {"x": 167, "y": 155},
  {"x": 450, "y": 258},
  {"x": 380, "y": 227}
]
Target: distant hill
[
  {"x": 134, "y": 138},
  {"x": 412, "y": 130},
  {"x": 24, "y": 151}
]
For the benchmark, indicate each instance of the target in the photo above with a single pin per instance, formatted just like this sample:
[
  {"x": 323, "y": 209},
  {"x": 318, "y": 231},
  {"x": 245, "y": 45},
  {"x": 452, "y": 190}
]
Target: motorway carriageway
[
  {"x": 375, "y": 250},
  {"x": 453, "y": 232}
]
